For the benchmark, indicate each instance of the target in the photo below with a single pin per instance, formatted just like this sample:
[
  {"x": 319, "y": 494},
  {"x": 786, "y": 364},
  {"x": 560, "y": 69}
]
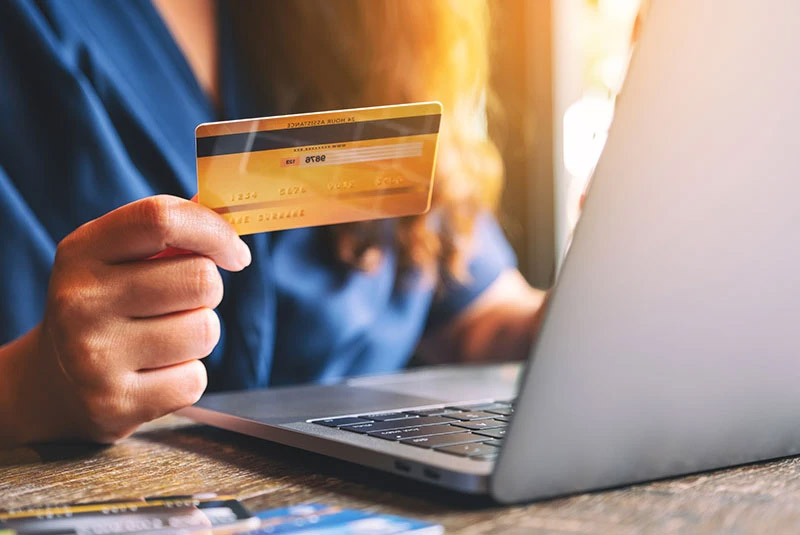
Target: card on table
[
  {"x": 322, "y": 519},
  {"x": 168, "y": 515},
  {"x": 311, "y": 169},
  {"x": 207, "y": 514}
]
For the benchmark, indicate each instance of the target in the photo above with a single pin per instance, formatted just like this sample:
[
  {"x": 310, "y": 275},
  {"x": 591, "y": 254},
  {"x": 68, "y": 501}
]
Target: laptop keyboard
[{"x": 475, "y": 431}]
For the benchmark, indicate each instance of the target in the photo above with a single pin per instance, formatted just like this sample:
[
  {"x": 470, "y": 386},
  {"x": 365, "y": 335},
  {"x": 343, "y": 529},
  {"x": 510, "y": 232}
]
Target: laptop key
[
  {"x": 412, "y": 432},
  {"x": 369, "y": 427},
  {"x": 468, "y": 450},
  {"x": 477, "y": 425},
  {"x": 506, "y": 411},
  {"x": 492, "y": 433},
  {"x": 494, "y": 442},
  {"x": 336, "y": 422},
  {"x": 442, "y": 440},
  {"x": 502, "y": 418},
  {"x": 471, "y": 415},
  {"x": 383, "y": 417},
  {"x": 437, "y": 411}
]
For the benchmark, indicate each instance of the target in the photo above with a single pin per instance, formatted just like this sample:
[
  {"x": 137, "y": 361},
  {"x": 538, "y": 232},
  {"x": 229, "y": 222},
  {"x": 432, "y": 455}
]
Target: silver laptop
[{"x": 672, "y": 340}]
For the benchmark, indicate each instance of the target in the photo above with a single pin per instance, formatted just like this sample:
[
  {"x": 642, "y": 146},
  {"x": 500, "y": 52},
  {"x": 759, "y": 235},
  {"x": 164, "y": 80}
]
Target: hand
[{"x": 122, "y": 334}]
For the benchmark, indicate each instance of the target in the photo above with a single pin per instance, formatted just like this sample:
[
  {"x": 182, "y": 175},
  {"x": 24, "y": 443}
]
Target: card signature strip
[{"x": 317, "y": 135}]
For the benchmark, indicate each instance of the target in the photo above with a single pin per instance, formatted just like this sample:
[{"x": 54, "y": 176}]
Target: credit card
[
  {"x": 171, "y": 515},
  {"x": 321, "y": 519},
  {"x": 312, "y": 169}
]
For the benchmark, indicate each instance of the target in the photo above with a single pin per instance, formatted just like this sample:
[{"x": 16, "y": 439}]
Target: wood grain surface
[{"x": 174, "y": 456}]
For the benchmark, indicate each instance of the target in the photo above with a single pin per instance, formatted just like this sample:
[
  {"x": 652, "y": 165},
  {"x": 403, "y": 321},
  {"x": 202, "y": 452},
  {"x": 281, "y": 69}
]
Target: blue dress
[{"x": 97, "y": 109}]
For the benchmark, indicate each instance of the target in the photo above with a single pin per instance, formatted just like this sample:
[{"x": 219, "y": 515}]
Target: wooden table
[{"x": 174, "y": 456}]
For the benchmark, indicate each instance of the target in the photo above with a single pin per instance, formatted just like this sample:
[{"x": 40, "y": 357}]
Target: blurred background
[{"x": 557, "y": 66}]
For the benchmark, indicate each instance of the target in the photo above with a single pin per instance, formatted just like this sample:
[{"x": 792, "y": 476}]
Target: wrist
[
  {"x": 26, "y": 413},
  {"x": 15, "y": 428}
]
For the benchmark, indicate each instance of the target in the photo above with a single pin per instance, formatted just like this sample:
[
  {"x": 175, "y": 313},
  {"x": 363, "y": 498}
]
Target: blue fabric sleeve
[
  {"x": 491, "y": 255},
  {"x": 27, "y": 253}
]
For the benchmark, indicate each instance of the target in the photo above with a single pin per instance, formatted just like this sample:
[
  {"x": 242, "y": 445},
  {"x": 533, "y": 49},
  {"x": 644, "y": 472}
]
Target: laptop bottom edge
[{"x": 475, "y": 483}]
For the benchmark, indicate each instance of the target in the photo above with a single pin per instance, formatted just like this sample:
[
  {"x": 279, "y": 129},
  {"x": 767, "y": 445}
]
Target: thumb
[{"x": 173, "y": 251}]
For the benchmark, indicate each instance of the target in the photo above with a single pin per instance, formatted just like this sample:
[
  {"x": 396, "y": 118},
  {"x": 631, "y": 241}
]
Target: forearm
[
  {"x": 499, "y": 326},
  {"x": 18, "y": 399}
]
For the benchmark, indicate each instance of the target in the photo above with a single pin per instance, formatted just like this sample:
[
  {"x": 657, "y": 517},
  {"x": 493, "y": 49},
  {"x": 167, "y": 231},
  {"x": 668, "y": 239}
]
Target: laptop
[{"x": 671, "y": 343}]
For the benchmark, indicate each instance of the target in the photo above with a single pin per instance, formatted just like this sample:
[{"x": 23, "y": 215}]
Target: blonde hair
[{"x": 313, "y": 55}]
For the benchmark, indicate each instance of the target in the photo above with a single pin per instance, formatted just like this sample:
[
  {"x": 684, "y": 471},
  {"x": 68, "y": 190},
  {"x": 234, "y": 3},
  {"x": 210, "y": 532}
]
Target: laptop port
[
  {"x": 403, "y": 467},
  {"x": 431, "y": 474}
]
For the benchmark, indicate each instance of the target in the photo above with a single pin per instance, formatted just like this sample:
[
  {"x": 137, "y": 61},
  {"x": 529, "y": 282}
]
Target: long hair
[{"x": 314, "y": 55}]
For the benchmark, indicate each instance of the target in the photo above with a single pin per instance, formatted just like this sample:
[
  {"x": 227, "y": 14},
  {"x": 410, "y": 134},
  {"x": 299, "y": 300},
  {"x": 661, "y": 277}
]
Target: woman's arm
[
  {"x": 499, "y": 325},
  {"x": 122, "y": 333},
  {"x": 18, "y": 411}
]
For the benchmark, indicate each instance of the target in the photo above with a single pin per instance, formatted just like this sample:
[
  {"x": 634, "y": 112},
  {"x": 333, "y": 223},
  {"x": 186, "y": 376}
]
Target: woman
[{"x": 99, "y": 102}]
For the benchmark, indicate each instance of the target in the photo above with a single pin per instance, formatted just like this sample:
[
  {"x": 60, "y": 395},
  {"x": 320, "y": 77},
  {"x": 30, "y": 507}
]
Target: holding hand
[{"x": 122, "y": 334}]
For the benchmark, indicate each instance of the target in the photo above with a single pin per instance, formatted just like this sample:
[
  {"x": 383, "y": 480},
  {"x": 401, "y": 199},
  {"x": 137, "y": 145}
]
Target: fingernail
[{"x": 244, "y": 254}]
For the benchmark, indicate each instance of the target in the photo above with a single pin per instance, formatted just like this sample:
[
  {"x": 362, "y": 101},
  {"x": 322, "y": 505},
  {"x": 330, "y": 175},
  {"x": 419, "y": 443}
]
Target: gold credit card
[{"x": 322, "y": 168}]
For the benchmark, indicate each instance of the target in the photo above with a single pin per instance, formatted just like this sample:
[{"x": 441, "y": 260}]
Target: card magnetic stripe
[{"x": 317, "y": 135}]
